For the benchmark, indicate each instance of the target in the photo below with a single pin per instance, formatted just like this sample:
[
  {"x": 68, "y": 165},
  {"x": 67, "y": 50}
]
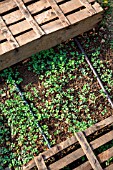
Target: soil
[{"x": 104, "y": 35}]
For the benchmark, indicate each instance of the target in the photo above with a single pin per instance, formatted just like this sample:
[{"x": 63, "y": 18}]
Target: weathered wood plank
[
  {"x": 59, "y": 147},
  {"x": 88, "y": 6},
  {"x": 4, "y": 48},
  {"x": 40, "y": 18},
  {"x": 59, "y": 12},
  {"x": 52, "y": 26},
  {"x": 43, "y": 17},
  {"x": 55, "y": 31},
  {"x": 29, "y": 18},
  {"x": 66, "y": 160},
  {"x": 99, "y": 126},
  {"x": 4, "y": 30},
  {"x": 103, "y": 139},
  {"x": 46, "y": 16},
  {"x": 10, "y": 4},
  {"x": 104, "y": 156},
  {"x": 24, "y": 25},
  {"x": 79, "y": 152},
  {"x": 47, "y": 41},
  {"x": 110, "y": 167},
  {"x": 39, "y": 6},
  {"x": 39, "y": 161},
  {"x": 52, "y": 151},
  {"x": 88, "y": 151}
]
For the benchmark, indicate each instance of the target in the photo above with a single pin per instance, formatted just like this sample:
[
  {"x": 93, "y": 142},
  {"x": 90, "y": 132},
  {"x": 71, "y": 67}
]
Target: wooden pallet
[
  {"x": 28, "y": 26},
  {"x": 86, "y": 148}
]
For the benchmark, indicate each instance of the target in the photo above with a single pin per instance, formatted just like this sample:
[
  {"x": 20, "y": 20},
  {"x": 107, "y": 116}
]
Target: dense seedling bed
[{"x": 62, "y": 92}]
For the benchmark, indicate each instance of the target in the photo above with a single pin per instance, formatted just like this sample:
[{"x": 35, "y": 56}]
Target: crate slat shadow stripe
[
  {"x": 40, "y": 25},
  {"x": 88, "y": 151},
  {"x": 29, "y": 18},
  {"x": 78, "y": 153},
  {"x": 59, "y": 12},
  {"x": 7, "y": 34},
  {"x": 88, "y": 6}
]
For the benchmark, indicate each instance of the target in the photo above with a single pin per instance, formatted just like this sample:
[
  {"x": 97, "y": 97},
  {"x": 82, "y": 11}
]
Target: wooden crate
[
  {"x": 28, "y": 26},
  {"x": 104, "y": 135}
]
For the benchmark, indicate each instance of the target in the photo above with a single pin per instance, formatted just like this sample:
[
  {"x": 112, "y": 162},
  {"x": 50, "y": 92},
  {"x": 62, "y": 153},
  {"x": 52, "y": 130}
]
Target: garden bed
[{"x": 62, "y": 92}]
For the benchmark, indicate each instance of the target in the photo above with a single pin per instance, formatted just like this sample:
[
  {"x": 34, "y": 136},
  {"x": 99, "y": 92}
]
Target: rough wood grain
[
  {"x": 59, "y": 12},
  {"x": 41, "y": 18},
  {"x": 46, "y": 41},
  {"x": 24, "y": 25},
  {"x": 79, "y": 152},
  {"x": 99, "y": 126},
  {"x": 11, "y": 4},
  {"x": 7, "y": 34},
  {"x": 59, "y": 147},
  {"x": 88, "y": 151},
  {"x": 104, "y": 156},
  {"x": 39, "y": 161},
  {"x": 45, "y": 16},
  {"x": 88, "y": 6},
  {"x": 29, "y": 18},
  {"x": 110, "y": 167},
  {"x": 54, "y": 30},
  {"x": 52, "y": 151}
]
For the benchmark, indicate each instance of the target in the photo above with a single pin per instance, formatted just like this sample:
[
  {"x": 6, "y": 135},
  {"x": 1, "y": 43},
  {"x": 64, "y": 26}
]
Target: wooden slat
[
  {"x": 57, "y": 148},
  {"x": 99, "y": 126},
  {"x": 40, "y": 18},
  {"x": 54, "y": 150},
  {"x": 59, "y": 12},
  {"x": 4, "y": 48},
  {"x": 104, "y": 156},
  {"x": 43, "y": 17},
  {"x": 110, "y": 167},
  {"x": 37, "y": 7},
  {"x": 97, "y": 7},
  {"x": 33, "y": 8},
  {"x": 40, "y": 5},
  {"x": 10, "y": 4},
  {"x": 7, "y": 34},
  {"x": 61, "y": 163},
  {"x": 30, "y": 165},
  {"x": 29, "y": 18},
  {"x": 102, "y": 140},
  {"x": 39, "y": 161},
  {"x": 88, "y": 151},
  {"x": 48, "y": 41},
  {"x": 79, "y": 152},
  {"x": 26, "y": 37},
  {"x": 50, "y": 27},
  {"x": 88, "y": 6}
]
